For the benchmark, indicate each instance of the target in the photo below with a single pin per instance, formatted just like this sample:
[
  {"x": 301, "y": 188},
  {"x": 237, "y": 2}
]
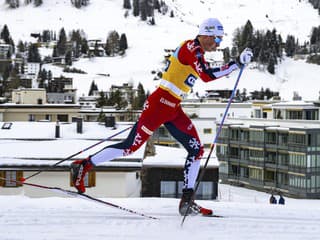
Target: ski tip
[{"x": 22, "y": 179}]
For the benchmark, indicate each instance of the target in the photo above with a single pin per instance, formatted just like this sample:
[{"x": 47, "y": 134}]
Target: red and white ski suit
[{"x": 183, "y": 68}]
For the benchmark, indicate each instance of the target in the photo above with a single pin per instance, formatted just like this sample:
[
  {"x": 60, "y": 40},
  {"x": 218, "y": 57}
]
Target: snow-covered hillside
[
  {"x": 146, "y": 43},
  {"x": 248, "y": 216}
]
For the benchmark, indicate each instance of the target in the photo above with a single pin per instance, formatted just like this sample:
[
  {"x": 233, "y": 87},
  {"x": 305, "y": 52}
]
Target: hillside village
[{"x": 266, "y": 143}]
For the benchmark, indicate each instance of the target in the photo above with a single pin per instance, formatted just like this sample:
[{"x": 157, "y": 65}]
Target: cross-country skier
[{"x": 183, "y": 68}]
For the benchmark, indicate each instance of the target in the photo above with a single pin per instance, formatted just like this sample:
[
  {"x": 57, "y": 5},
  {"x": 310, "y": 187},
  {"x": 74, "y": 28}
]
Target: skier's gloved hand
[{"x": 245, "y": 56}]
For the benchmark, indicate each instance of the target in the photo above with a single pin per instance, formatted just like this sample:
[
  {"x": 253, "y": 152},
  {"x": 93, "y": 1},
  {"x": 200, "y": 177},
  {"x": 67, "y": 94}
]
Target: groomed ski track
[{"x": 73, "y": 218}]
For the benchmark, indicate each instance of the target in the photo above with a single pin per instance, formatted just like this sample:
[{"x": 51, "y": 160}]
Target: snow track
[{"x": 72, "y": 218}]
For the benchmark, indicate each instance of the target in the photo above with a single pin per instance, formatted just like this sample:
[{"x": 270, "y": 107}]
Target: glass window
[
  {"x": 207, "y": 130},
  {"x": 10, "y": 175},
  {"x": 168, "y": 189},
  {"x": 31, "y": 118},
  {"x": 62, "y": 117},
  {"x": 205, "y": 190},
  {"x": 223, "y": 167}
]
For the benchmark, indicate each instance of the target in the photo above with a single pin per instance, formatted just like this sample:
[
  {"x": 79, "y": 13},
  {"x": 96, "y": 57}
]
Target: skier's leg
[{"x": 184, "y": 131}]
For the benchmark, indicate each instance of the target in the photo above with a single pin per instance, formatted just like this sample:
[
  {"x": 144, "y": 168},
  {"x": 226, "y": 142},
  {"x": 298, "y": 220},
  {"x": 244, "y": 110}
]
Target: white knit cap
[{"x": 211, "y": 27}]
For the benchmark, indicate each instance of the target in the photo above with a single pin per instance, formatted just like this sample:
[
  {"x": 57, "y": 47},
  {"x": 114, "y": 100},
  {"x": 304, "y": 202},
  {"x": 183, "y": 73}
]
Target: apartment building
[{"x": 271, "y": 155}]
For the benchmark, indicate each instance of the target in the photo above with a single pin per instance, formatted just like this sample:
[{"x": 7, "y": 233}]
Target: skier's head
[
  {"x": 211, "y": 34},
  {"x": 211, "y": 27}
]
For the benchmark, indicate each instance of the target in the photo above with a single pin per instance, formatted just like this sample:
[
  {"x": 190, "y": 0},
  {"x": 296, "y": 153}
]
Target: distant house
[
  {"x": 29, "y": 96},
  {"x": 37, "y": 112},
  {"x": 30, "y": 148},
  {"x": 4, "y": 49},
  {"x": 96, "y": 48}
]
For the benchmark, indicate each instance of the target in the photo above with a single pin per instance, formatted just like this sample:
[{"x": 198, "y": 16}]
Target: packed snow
[{"x": 247, "y": 215}]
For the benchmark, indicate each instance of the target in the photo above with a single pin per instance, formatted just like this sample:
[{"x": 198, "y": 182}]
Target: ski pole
[
  {"x": 215, "y": 140},
  {"x": 67, "y": 158},
  {"x": 80, "y": 195}
]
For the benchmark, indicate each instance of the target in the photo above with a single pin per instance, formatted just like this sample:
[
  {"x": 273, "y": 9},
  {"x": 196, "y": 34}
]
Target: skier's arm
[{"x": 194, "y": 57}]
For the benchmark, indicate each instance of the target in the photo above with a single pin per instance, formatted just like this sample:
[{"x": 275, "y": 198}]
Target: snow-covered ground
[
  {"x": 248, "y": 215},
  {"x": 147, "y": 43}
]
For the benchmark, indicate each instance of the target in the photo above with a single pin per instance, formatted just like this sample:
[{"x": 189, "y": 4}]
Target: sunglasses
[{"x": 217, "y": 40}]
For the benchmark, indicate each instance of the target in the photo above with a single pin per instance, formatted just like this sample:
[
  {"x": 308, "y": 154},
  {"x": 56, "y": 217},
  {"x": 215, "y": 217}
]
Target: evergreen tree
[
  {"x": 143, "y": 10},
  {"x": 123, "y": 45},
  {"x": 42, "y": 78},
  {"x": 46, "y": 36},
  {"x": 5, "y": 34},
  {"x": 150, "y": 8},
  {"x": 55, "y": 52},
  {"x": 101, "y": 101},
  {"x": 112, "y": 44},
  {"x": 136, "y": 8},
  {"x": 271, "y": 63},
  {"x": 33, "y": 54},
  {"x": 37, "y": 3},
  {"x": 226, "y": 55},
  {"x": 290, "y": 46},
  {"x": 156, "y": 5},
  {"x": 13, "y": 3},
  {"x": 126, "y": 4},
  {"x": 246, "y": 37},
  {"x": 68, "y": 58},
  {"x": 62, "y": 43},
  {"x": 141, "y": 97},
  {"x": 84, "y": 46},
  {"x": 93, "y": 88},
  {"x": 21, "y": 47},
  {"x": 96, "y": 49}
]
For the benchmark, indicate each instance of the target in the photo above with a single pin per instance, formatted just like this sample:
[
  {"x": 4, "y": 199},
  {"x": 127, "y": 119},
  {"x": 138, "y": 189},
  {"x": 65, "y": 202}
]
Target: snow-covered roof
[{"x": 34, "y": 144}]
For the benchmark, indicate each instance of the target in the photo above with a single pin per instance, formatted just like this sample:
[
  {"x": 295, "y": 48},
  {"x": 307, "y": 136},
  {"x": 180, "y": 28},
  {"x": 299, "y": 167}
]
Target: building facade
[{"x": 269, "y": 155}]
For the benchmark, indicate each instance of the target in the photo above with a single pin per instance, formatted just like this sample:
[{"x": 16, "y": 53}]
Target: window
[
  {"x": 271, "y": 138},
  {"x": 205, "y": 190},
  {"x": 207, "y": 130},
  {"x": 294, "y": 114},
  {"x": 223, "y": 167},
  {"x": 62, "y": 117},
  {"x": 224, "y": 133},
  {"x": 297, "y": 160},
  {"x": 283, "y": 159},
  {"x": 10, "y": 175},
  {"x": 173, "y": 189},
  {"x": 255, "y": 173},
  {"x": 168, "y": 189},
  {"x": 297, "y": 181},
  {"x": 31, "y": 118},
  {"x": 256, "y": 155},
  {"x": 297, "y": 139},
  {"x": 234, "y": 134},
  {"x": 256, "y": 136},
  {"x": 223, "y": 149},
  {"x": 283, "y": 138},
  {"x": 244, "y": 135}
]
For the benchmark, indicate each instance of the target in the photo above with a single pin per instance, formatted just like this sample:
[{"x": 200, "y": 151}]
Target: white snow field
[{"x": 248, "y": 215}]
